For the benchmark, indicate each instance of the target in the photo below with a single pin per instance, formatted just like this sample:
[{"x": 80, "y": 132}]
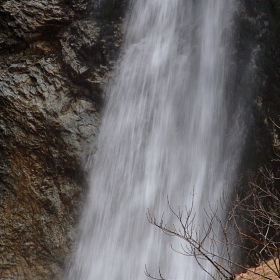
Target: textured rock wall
[
  {"x": 55, "y": 56},
  {"x": 258, "y": 46},
  {"x": 257, "y": 58}
]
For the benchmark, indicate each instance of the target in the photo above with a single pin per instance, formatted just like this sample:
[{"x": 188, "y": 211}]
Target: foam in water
[{"x": 163, "y": 133}]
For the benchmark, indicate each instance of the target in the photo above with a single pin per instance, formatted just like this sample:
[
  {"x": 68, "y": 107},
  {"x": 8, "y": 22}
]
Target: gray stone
[{"x": 53, "y": 60}]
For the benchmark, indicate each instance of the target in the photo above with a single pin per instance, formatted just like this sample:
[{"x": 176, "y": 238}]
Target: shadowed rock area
[{"x": 55, "y": 58}]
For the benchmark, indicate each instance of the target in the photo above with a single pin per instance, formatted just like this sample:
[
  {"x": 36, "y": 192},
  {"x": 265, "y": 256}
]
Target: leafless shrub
[
  {"x": 260, "y": 210},
  {"x": 249, "y": 233},
  {"x": 217, "y": 240}
]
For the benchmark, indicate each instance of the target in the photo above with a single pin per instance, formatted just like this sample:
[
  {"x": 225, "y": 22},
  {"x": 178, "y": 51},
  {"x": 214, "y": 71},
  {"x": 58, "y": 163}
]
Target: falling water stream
[{"x": 165, "y": 132}]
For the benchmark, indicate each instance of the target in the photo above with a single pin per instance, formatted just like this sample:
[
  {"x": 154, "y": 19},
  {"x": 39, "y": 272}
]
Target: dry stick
[
  {"x": 230, "y": 273},
  {"x": 257, "y": 241}
]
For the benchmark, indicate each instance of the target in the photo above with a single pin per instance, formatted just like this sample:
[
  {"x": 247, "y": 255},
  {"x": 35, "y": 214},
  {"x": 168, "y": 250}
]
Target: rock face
[
  {"x": 258, "y": 62},
  {"x": 55, "y": 56}
]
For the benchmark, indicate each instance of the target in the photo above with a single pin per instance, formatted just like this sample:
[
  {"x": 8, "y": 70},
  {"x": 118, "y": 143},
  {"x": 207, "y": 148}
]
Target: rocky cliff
[
  {"x": 55, "y": 58},
  {"x": 257, "y": 58}
]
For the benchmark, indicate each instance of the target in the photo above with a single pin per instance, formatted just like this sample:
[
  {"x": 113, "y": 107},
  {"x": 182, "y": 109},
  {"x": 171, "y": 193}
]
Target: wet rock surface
[
  {"x": 258, "y": 60},
  {"x": 55, "y": 57},
  {"x": 55, "y": 60}
]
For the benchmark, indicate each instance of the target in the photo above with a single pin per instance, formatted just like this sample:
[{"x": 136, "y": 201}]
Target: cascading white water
[{"x": 162, "y": 134}]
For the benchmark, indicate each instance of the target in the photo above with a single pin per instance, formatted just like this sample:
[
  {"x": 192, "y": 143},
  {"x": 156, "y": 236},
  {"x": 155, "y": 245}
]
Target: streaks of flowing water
[{"x": 163, "y": 132}]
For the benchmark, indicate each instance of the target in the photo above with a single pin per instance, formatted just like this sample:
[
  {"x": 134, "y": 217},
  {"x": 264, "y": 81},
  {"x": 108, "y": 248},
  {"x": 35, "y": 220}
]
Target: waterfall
[{"x": 165, "y": 131}]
